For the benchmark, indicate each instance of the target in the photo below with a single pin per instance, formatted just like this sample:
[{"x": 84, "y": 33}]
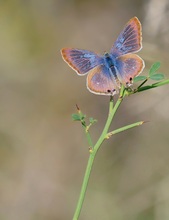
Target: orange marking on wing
[
  {"x": 68, "y": 60},
  {"x": 137, "y": 26}
]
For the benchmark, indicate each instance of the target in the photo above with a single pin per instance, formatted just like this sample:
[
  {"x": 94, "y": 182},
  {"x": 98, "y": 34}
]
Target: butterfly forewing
[
  {"x": 82, "y": 61},
  {"x": 129, "y": 40}
]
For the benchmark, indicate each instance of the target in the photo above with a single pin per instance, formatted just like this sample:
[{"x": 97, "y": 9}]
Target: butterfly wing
[
  {"x": 129, "y": 66},
  {"x": 82, "y": 61},
  {"x": 129, "y": 40},
  {"x": 100, "y": 81}
]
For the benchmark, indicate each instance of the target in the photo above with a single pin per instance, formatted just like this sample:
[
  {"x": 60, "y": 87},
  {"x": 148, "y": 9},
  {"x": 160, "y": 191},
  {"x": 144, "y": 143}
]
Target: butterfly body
[
  {"x": 110, "y": 64},
  {"x": 107, "y": 73},
  {"x": 108, "y": 59}
]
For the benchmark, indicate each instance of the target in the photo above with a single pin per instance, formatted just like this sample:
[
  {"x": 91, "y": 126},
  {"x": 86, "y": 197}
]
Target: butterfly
[{"x": 107, "y": 73}]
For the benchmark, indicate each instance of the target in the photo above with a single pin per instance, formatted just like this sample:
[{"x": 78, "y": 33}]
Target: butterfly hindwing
[
  {"x": 82, "y": 61},
  {"x": 99, "y": 81},
  {"x": 128, "y": 66},
  {"x": 129, "y": 40}
]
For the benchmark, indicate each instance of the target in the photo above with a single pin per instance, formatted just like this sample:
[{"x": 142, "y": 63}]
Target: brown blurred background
[{"x": 43, "y": 154}]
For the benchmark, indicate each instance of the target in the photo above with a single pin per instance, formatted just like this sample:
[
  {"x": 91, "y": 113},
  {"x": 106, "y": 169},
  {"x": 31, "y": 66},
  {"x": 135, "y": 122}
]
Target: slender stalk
[
  {"x": 124, "y": 128},
  {"x": 143, "y": 83},
  {"x": 94, "y": 150},
  {"x": 86, "y": 128},
  {"x": 154, "y": 85},
  {"x": 111, "y": 114},
  {"x": 84, "y": 186},
  {"x": 89, "y": 139}
]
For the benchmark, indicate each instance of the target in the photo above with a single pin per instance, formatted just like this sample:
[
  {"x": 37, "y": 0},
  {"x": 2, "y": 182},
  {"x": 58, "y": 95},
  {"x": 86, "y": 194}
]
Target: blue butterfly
[{"x": 107, "y": 73}]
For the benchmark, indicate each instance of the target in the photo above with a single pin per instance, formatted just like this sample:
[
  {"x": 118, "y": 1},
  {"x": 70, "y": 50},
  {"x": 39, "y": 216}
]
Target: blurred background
[{"x": 43, "y": 154}]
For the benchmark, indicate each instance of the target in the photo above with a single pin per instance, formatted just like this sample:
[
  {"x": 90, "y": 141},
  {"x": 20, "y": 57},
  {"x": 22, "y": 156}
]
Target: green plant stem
[
  {"x": 143, "y": 83},
  {"x": 124, "y": 128},
  {"x": 154, "y": 85},
  {"x": 84, "y": 186},
  {"x": 93, "y": 152},
  {"x": 88, "y": 136},
  {"x": 111, "y": 114},
  {"x": 86, "y": 129},
  {"x": 89, "y": 139}
]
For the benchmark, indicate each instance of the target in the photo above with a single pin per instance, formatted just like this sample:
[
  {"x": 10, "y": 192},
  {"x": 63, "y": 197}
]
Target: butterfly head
[{"x": 106, "y": 54}]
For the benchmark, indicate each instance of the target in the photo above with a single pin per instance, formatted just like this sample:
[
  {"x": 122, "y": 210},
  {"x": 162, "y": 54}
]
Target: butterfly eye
[
  {"x": 131, "y": 79},
  {"x": 109, "y": 91}
]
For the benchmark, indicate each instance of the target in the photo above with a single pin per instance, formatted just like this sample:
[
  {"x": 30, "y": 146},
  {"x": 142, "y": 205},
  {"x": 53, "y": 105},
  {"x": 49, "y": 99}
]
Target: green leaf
[
  {"x": 92, "y": 120},
  {"x": 139, "y": 78},
  {"x": 76, "y": 117},
  {"x": 158, "y": 76},
  {"x": 154, "y": 68}
]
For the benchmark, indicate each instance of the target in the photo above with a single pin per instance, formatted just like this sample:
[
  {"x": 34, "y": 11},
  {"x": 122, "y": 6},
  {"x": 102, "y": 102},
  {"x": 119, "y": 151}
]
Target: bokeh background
[{"x": 43, "y": 154}]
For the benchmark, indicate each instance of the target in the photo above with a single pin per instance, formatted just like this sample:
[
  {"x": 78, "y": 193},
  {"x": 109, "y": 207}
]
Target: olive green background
[{"x": 43, "y": 154}]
